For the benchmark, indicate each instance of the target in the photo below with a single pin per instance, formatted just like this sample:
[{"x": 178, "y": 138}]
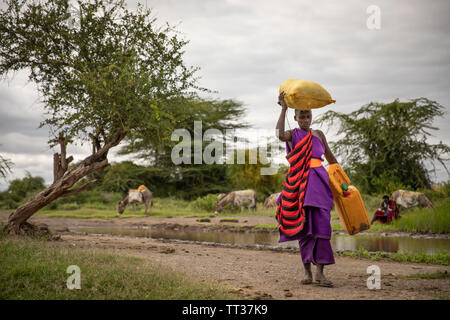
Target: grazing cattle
[
  {"x": 241, "y": 198},
  {"x": 140, "y": 195},
  {"x": 271, "y": 200},
  {"x": 408, "y": 199},
  {"x": 221, "y": 195}
]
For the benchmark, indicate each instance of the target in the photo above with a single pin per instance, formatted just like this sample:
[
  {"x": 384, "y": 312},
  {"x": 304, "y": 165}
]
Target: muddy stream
[{"x": 269, "y": 240}]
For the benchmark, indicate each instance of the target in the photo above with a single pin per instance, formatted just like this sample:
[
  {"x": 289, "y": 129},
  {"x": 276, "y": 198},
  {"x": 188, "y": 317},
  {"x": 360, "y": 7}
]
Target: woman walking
[{"x": 306, "y": 200}]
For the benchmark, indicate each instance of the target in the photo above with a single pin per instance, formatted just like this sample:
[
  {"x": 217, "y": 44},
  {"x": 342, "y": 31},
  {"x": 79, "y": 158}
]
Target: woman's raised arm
[{"x": 281, "y": 134}]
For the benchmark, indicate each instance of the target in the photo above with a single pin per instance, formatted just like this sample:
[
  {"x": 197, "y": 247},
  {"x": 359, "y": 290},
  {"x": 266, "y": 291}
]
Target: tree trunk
[{"x": 62, "y": 184}]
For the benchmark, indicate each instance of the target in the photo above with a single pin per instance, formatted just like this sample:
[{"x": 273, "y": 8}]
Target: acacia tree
[
  {"x": 111, "y": 74},
  {"x": 385, "y": 146},
  {"x": 177, "y": 179},
  {"x": 222, "y": 115}
]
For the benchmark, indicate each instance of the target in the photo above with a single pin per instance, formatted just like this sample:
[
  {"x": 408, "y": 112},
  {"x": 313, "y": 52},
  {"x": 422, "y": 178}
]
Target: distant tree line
[{"x": 183, "y": 183}]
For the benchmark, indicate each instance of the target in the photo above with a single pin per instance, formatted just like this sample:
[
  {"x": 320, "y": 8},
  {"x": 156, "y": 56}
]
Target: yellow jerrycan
[{"x": 347, "y": 201}]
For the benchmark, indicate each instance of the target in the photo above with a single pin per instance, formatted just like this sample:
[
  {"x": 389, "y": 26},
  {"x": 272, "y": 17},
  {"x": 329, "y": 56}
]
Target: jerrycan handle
[{"x": 339, "y": 181}]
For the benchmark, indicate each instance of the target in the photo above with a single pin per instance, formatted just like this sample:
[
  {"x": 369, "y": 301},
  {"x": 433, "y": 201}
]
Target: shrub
[
  {"x": 20, "y": 190},
  {"x": 206, "y": 203},
  {"x": 437, "y": 193},
  {"x": 94, "y": 199},
  {"x": 229, "y": 220}
]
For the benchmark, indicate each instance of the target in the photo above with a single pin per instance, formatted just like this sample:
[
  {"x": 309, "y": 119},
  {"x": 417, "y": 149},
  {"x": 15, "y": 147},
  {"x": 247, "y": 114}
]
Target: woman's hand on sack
[{"x": 281, "y": 101}]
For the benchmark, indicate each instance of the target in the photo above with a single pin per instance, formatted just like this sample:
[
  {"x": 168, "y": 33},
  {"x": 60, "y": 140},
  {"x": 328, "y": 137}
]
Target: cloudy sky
[{"x": 247, "y": 48}]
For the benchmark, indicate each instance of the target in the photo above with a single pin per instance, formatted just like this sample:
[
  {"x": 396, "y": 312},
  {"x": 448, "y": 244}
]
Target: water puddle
[{"x": 339, "y": 242}]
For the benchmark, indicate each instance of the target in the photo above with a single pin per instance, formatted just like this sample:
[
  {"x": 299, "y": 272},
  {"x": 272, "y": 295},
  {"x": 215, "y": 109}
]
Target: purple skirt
[{"x": 314, "y": 239}]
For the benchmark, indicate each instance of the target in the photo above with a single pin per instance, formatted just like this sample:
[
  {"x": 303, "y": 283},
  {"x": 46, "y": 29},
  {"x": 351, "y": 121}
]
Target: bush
[
  {"x": 371, "y": 202},
  {"x": 248, "y": 176},
  {"x": 166, "y": 181},
  {"x": 20, "y": 190},
  {"x": 8, "y": 203},
  {"x": 387, "y": 183},
  {"x": 122, "y": 176},
  {"x": 94, "y": 199},
  {"x": 229, "y": 220},
  {"x": 437, "y": 193},
  {"x": 206, "y": 203}
]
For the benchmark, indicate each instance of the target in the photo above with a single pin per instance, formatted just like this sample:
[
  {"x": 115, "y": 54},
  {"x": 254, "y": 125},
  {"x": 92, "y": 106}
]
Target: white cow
[
  {"x": 408, "y": 199},
  {"x": 271, "y": 201},
  {"x": 241, "y": 198}
]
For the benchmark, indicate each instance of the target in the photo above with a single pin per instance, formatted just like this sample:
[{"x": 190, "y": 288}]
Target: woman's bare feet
[
  {"x": 320, "y": 278},
  {"x": 308, "y": 274},
  {"x": 306, "y": 281}
]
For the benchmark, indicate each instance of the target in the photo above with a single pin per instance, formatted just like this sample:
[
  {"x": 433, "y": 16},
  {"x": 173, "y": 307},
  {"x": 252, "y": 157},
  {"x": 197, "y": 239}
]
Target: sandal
[
  {"x": 324, "y": 283},
  {"x": 306, "y": 281}
]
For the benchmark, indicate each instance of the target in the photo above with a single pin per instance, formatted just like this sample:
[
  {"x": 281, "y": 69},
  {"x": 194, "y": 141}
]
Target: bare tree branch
[{"x": 72, "y": 192}]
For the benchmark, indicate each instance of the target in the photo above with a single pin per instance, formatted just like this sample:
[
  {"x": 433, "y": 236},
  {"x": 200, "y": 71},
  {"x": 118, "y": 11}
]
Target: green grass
[
  {"x": 435, "y": 220},
  {"x": 229, "y": 220},
  {"x": 266, "y": 226},
  {"x": 204, "y": 220},
  {"x": 334, "y": 215},
  {"x": 87, "y": 213},
  {"x": 440, "y": 258},
  {"x": 374, "y": 228},
  {"x": 34, "y": 269},
  {"x": 336, "y": 226},
  {"x": 162, "y": 207}
]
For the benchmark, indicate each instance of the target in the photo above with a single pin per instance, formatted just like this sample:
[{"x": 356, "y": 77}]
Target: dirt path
[{"x": 256, "y": 274}]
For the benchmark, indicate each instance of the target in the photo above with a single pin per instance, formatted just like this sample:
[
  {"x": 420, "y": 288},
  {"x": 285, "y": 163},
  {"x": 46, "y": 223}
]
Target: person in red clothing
[{"x": 387, "y": 211}]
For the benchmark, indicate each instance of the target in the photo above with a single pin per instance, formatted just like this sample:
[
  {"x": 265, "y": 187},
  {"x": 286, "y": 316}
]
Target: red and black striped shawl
[{"x": 290, "y": 212}]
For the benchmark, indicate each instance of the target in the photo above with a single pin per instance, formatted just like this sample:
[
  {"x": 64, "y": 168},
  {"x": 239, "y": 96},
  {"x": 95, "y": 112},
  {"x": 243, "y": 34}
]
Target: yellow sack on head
[{"x": 304, "y": 94}]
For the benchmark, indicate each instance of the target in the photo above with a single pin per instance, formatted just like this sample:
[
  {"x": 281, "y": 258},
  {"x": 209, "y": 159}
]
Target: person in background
[{"x": 387, "y": 211}]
